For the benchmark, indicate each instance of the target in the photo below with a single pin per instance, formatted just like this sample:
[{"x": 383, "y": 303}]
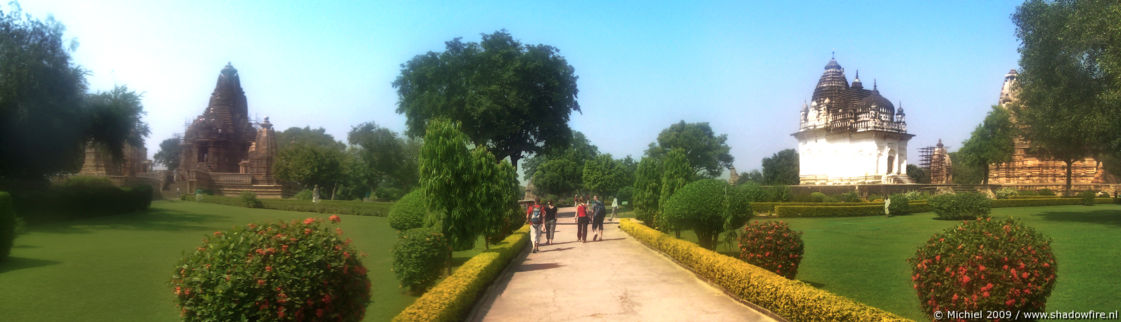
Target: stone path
[{"x": 617, "y": 279}]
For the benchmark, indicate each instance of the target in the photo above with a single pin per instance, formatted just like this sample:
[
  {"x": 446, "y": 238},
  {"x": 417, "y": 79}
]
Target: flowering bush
[
  {"x": 984, "y": 264},
  {"x": 772, "y": 246},
  {"x": 964, "y": 205},
  {"x": 419, "y": 257},
  {"x": 300, "y": 270}
]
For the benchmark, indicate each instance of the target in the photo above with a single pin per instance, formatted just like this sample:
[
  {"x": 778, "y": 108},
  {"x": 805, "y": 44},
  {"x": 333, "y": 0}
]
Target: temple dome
[
  {"x": 832, "y": 84},
  {"x": 877, "y": 102}
]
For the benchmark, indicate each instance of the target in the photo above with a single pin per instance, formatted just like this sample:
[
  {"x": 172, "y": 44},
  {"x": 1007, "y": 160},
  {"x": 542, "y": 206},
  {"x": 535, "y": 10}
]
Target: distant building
[
  {"x": 851, "y": 135},
  {"x": 98, "y": 162},
  {"x": 1026, "y": 168},
  {"x": 224, "y": 153}
]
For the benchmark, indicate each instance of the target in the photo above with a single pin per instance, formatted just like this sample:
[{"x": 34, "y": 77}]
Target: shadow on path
[{"x": 536, "y": 267}]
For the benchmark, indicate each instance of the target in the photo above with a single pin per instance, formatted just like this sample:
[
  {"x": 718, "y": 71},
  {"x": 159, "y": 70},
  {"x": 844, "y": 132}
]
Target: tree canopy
[
  {"x": 113, "y": 119},
  {"x": 992, "y": 142},
  {"x": 511, "y": 98},
  {"x": 781, "y": 168},
  {"x": 561, "y": 170},
  {"x": 309, "y": 165},
  {"x": 647, "y": 188},
  {"x": 707, "y": 154},
  {"x": 708, "y": 207},
  {"x": 676, "y": 173},
  {"x": 381, "y": 158},
  {"x": 168, "y": 155},
  {"x": 1070, "y": 78},
  {"x": 604, "y": 176}
]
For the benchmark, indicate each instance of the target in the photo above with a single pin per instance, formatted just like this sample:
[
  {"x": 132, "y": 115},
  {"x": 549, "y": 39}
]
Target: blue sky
[{"x": 744, "y": 67}]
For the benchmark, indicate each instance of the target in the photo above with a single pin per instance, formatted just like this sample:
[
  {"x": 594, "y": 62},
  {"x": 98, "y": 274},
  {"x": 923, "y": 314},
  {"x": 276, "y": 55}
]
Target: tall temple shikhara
[
  {"x": 851, "y": 135},
  {"x": 224, "y": 153},
  {"x": 1027, "y": 169}
]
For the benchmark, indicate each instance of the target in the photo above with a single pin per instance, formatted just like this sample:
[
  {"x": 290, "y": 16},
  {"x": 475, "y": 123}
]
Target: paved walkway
[{"x": 617, "y": 279}]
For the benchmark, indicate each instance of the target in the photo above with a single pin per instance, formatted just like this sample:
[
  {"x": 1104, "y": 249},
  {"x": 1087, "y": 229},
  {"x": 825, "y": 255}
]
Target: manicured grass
[
  {"x": 864, "y": 258},
  {"x": 117, "y": 267}
]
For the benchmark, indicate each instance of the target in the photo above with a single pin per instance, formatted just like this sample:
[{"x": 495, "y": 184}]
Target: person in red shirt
[
  {"x": 582, "y": 221},
  {"x": 535, "y": 215}
]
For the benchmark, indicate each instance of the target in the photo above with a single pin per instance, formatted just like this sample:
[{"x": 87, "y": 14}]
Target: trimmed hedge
[
  {"x": 7, "y": 225},
  {"x": 769, "y": 207},
  {"x": 453, "y": 298},
  {"x": 830, "y": 211},
  {"x": 792, "y": 299},
  {"x": 348, "y": 207},
  {"x": 1035, "y": 202},
  {"x": 76, "y": 199}
]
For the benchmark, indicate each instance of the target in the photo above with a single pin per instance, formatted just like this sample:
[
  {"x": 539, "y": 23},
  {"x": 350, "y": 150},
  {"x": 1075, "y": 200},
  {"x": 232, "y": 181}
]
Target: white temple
[{"x": 851, "y": 135}]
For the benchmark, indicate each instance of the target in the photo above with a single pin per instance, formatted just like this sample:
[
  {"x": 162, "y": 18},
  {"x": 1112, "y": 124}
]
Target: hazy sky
[{"x": 744, "y": 67}]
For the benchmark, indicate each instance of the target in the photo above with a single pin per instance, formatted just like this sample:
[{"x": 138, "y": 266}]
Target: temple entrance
[{"x": 891, "y": 162}]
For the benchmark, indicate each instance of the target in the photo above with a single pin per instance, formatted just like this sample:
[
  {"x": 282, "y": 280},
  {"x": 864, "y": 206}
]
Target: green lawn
[
  {"x": 117, "y": 268},
  {"x": 864, "y": 258}
]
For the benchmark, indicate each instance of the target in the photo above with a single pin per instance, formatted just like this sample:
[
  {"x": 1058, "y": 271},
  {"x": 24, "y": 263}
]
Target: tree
[
  {"x": 41, "y": 90},
  {"x": 560, "y": 171},
  {"x": 750, "y": 176},
  {"x": 781, "y": 168},
  {"x": 918, "y": 174},
  {"x": 708, "y": 207},
  {"x": 511, "y": 98},
  {"x": 1070, "y": 78},
  {"x": 676, "y": 172},
  {"x": 113, "y": 119},
  {"x": 647, "y": 189},
  {"x": 168, "y": 155},
  {"x": 309, "y": 136},
  {"x": 383, "y": 157},
  {"x": 310, "y": 166},
  {"x": 965, "y": 173},
  {"x": 991, "y": 142},
  {"x": 604, "y": 176},
  {"x": 706, "y": 153}
]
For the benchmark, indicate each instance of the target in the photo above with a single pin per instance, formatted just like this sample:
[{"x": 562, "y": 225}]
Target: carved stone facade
[
  {"x": 851, "y": 135},
  {"x": 224, "y": 153},
  {"x": 1029, "y": 169},
  {"x": 100, "y": 163},
  {"x": 941, "y": 168}
]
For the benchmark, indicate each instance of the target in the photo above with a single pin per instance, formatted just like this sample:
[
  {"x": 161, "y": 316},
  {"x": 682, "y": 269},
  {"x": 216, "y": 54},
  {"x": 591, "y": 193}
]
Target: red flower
[
  {"x": 261, "y": 282},
  {"x": 309, "y": 221},
  {"x": 334, "y": 218},
  {"x": 217, "y": 233},
  {"x": 307, "y": 231},
  {"x": 268, "y": 268}
]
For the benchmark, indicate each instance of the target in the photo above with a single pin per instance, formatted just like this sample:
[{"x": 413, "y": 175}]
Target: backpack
[
  {"x": 535, "y": 218},
  {"x": 600, "y": 210}
]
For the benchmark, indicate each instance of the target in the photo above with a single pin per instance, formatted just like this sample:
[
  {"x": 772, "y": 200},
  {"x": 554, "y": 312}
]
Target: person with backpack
[
  {"x": 598, "y": 214},
  {"x": 550, "y": 222},
  {"x": 535, "y": 215},
  {"x": 582, "y": 220}
]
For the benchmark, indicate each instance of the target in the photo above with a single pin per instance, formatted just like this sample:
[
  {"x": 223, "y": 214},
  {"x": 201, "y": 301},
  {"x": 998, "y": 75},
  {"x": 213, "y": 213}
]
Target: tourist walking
[
  {"x": 550, "y": 222},
  {"x": 598, "y": 214},
  {"x": 582, "y": 220},
  {"x": 535, "y": 215},
  {"x": 614, "y": 207}
]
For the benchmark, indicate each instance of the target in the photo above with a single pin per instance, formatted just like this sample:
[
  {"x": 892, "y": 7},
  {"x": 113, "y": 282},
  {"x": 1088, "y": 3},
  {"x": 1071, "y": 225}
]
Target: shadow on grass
[
  {"x": 152, "y": 219},
  {"x": 814, "y": 284},
  {"x": 14, "y": 263},
  {"x": 1105, "y": 217}
]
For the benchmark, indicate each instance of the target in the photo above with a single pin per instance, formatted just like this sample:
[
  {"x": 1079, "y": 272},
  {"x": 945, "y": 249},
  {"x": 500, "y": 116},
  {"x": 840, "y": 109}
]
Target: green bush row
[
  {"x": 81, "y": 201},
  {"x": 1035, "y": 202},
  {"x": 7, "y": 225},
  {"x": 829, "y": 211},
  {"x": 349, "y": 207},
  {"x": 769, "y": 207},
  {"x": 452, "y": 298},
  {"x": 792, "y": 299}
]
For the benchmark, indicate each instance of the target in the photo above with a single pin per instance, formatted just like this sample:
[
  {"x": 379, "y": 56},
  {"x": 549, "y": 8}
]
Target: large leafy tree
[
  {"x": 1070, "y": 79},
  {"x": 511, "y": 98},
  {"x": 383, "y": 158},
  {"x": 311, "y": 166},
  {"x": 781, "y": 168},
  {"x": 168, "y": 155},
  {"x": 647, "y": 188},
  {"x": 604, "y": 175},
  {"x": 113, "y": 119},
  {"x": 560, "y": 171},
  {"x": 991, "y": 142},
  {"x": 750, "y": 176},
  {"x": 309, "y": 136},
  {"x": 451, "y": 182},
  {"x": 676, "y": 173},
  {"x": 41, "y": 90},
  {"x": 963, "y": 172},
  {"x": 918, "y": 174},
  {"x": 707, "y": 154}
]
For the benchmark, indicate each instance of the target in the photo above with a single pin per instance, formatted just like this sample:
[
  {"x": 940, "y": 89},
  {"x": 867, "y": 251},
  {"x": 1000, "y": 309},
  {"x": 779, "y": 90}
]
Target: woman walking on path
[
  {"x": 582, "y": 221},
  {"x": 535, "y": 215},
  {"x": 550, "y": 222}
]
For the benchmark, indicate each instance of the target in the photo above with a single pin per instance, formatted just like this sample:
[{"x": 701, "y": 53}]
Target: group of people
[{"x": 543, "y": 219}]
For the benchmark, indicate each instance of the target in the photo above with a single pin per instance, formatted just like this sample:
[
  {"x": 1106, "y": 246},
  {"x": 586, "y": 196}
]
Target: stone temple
[
  {"x": 851, "y": 135},
  {"x": 223, "y": 152}
]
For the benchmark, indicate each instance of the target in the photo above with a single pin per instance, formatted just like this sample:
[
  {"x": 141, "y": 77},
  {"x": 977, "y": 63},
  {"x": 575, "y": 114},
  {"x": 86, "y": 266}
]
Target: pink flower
[
  {"x": 309, "y": 221},
  {"x": 334, "y": 218},
  {"x": 268, "y": 268},
  {"x": 217, "y": 233}
]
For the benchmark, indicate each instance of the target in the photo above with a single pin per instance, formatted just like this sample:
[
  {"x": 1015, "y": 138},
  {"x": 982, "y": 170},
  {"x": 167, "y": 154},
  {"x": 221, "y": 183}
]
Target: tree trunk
[
  {"x": 514, "y": 157},
  {"x": 704, "y": 239},
  {"x": 985, "y": 181},
  {"x": 1069, "y": 162}
]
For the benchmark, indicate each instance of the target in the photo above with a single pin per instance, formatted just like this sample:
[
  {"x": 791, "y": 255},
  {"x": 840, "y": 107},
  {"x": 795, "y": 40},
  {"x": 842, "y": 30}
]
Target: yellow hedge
[
  {"x": 452, "y": 299},
  {"x": 794, "y": 300}
]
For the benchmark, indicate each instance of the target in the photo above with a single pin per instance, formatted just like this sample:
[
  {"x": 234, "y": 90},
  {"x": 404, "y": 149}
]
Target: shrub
[
  {"x": 846, "y": 210},
  {"x": 964, "y": 205},
  {"x": 772, "y": 246},
  {"x": 186, "y": 197},
  {"x": 1087, "y": 197},
  {"x": 1007, "y": 193},
  {"x": 409, "y": 212},
  {"x": 249, "y": 200},
  {"x": 916, "y": 195},
  {"x": 817, "y": 196},
  {"x": 984, "y": 264},
  {"x": 793, "y": 300},
  {"x": 388, "y": 193},
  {"x": 850, "y": 196},
  {"x": 82, "y": 182},
  {"x": 1046, "y": 192},
  {"x": 778, "y": 193},
  {"x": 82, "y": 198},
  {"x": 419, "y": 257},
  {"x": 305, "y": 194},
  {"x": 276, "y": 271},
  {"x": 453, "y": 298},
  {"x": 899, "y": 205},
  {"x": 7, "y": 225},
  {"x": 705, "y": 207}
]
